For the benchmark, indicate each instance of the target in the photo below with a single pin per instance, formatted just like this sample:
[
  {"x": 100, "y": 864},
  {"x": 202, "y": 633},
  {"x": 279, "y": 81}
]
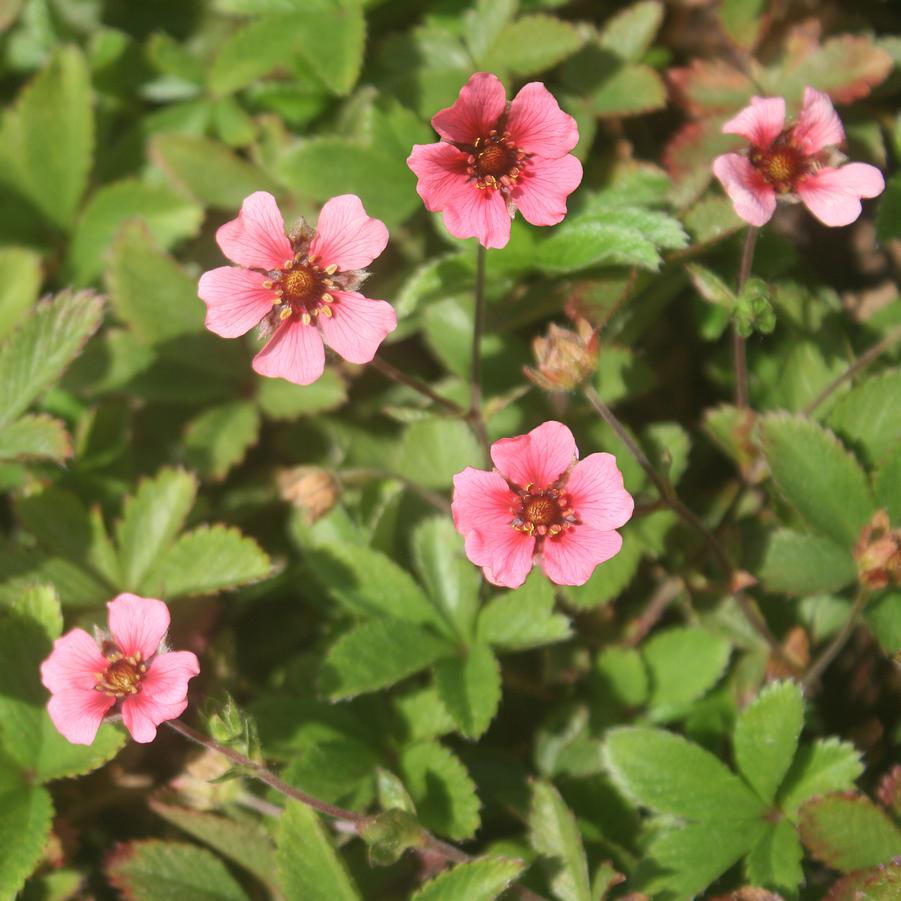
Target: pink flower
[
  {"x": 539, "y": 503},
  {"x": 300, "y": 288},
  {"x": 800, "y": 161},
  {"x": 86, "y": 677},
  {"x": 496, "y": 157}
]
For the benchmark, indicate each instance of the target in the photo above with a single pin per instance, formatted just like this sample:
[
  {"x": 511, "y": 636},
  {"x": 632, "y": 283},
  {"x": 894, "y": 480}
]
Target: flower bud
[
  {"x": 878, "y": 553},
  {"x": 312, "y": 490},
  {"x": 564, "y": 358}
]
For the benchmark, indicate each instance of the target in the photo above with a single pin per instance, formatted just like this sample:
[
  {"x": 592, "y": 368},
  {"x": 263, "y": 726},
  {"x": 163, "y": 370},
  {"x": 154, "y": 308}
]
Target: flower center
[
  {"x": 123, "y": 676},
  {"x": 495, "y": 162},
  {"x": 782, "y": 165},
  {"x": 302, "y": 289},
  {"x": 544, "y": 513}
]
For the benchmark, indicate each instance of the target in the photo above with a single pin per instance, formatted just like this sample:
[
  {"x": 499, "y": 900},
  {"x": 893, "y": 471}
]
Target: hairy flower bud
[
  {"x": 878, "y": 553},
  {"x": 311, "y": 489},
  {"x": 564, "y": 358}
]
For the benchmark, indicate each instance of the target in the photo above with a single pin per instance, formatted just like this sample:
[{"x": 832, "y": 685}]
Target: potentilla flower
[
  {"x": 130, "y": 666},
  {"x": 497, "y": 157},
  {"x": 301, "y": 288},
  {"x": 798, "y": 161},
  {"x": 540, "y": 504}
]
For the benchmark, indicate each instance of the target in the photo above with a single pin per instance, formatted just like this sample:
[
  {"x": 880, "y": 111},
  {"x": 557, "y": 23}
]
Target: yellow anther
[
  {"x": 327, "y": 298},
  {"x": 268, "y": 284},
  {"x": 306, "y": 319},
  {"x": 285, "y": 313},
  {"x": 331, "y": 270},
  {"x": 326, "y": 311}
]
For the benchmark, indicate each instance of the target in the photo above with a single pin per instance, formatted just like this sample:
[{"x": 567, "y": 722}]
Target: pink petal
[
  {"x": 142, "y": 714},
  {"x": 138, "y": 625},
  {"x": 504, "y": 554},
  {"x": 77, "y": 713},
  {"x": 294, "y": 353},
  {"x": 346, "y": 236},
  {"x": 833, "y": 195},
  {"x": 538, "y": 125},
  {"x": 761, "y": 122},
  {"x": 537, "y": 459},
  {"x": 541, "y": 191},
  {"x": 236, "y": 300},
  {"x": 753, "y": 199},
  {"x": 573, "y": 557},
  {"x": 74, "y": 662},
  {"x": 441, "y": 172},
  {"x": 818, "y": 125},
  {"x": 358, "y": 325},
  {"x": 166, "y": 681},
  {"x": 482, "y": 500},
  {"x": 596, "y": 490},
  {"x": 256, "y": 238},
  {"x": 481, "y": 103},
  {"x": 479, "y": 214}
]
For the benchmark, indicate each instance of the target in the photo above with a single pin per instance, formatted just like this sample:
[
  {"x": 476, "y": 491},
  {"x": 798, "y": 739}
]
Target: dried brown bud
[
  {"x": 312, "y": 490},
  {"x": 197, "y": 785},
  {"x": 564, "y": 358},
  {"x": 878, "y": 553}
]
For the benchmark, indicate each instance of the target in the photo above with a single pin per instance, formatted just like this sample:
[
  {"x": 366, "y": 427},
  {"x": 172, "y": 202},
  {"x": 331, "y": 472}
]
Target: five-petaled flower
[
  {"x": 495, "y": 158},
  {"x": 300, "y": 288},
  {"x": 799, "y": 161},
  {"x": 539, "y": 503},
  {"x": 131, "y": 665}
]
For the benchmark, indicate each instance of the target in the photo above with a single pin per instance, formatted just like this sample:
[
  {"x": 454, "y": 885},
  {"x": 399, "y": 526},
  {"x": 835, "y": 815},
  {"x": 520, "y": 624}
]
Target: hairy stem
[
  {"x": 738, "y": 342},
  {"x": 671, "y": 499},
  {"x": 396, "y": 375},
  {"x": 349, "y": 819},
  {"x": 864, "y": 360},
  {"x": 812, "y": 676},
  {"x": 475, "y": 378}
]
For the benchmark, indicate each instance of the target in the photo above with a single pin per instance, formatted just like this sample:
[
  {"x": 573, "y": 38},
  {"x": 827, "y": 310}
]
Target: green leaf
[
  {"x": 622, "y": 675},
  {"x": 282, "y": 400},
  {"x": 35, "y": 437},
  {"x": 26, "y": 814},
  {"x": 370, "y": 583},
  {"x": 26, "y": 634},
  {"x": 883, "y": 616},
  {"x": 630, "y": 32},
  {"x": 532, "y": 44},
  {"x": 869, "y": 416},
  {"x": 35, "y": 355},
  {"x": 848, "y": 832},
  {"x": 470, "y": 687},
  {"x": 392, "y": 833},
  {"x": 554, "y": 834},
  {"x": 484, "y": 21},
  {"x": 444, "y": 794},
  {"x": 377, "y": 654},
  {"x": 207, "y": 169},
  {"x": 309, "y": 868},
  {"x": 452, "y": 582},
  {"x": 887, "y": 485},
  {"x": 775, "y": 861},
  {"x": 160, "y": 871},
  {"x": 482, "y": 879},
  {"x": 670, "y": 775},
  {"x": 245, "y": 842},
  {"x": 683, "y": 664},
  {"x": 627, "y": 91},
  {"x": 524, "y": 618},
  {"x": 766, "y": 737},
  {"x": 48, "y": 137},
  {"x": 711, "y": 287},
  {"x": 609, "y": 580},
  {"x": 340, "y": 26},
  {"x": 818, "y": 476},
  {"x": 802, "y": 564},
  {"x": 150, "y": 291},
  {"x": 151, "y": 518},
  {"x": 433, "y": 451},
  {"x": 168, "y": 216},
  {"x": 583, "y": 243},
  {"x": 209, "y": 559},
  {"x": 219, "y": 438},
  {"x": 742, "y": 20},
  {"x": 828, "y": 765},
  {"x": 20, "y": 281}
]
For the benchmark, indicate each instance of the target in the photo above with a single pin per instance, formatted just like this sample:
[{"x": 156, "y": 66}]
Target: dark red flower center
[
  {"x": 543, "y": 513},
  {"x": 495, "y": 161},
  {"x": 782, "y": 164},
  {"x": 303, "y": 289},
  {"x": 123, "y": 676}
]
